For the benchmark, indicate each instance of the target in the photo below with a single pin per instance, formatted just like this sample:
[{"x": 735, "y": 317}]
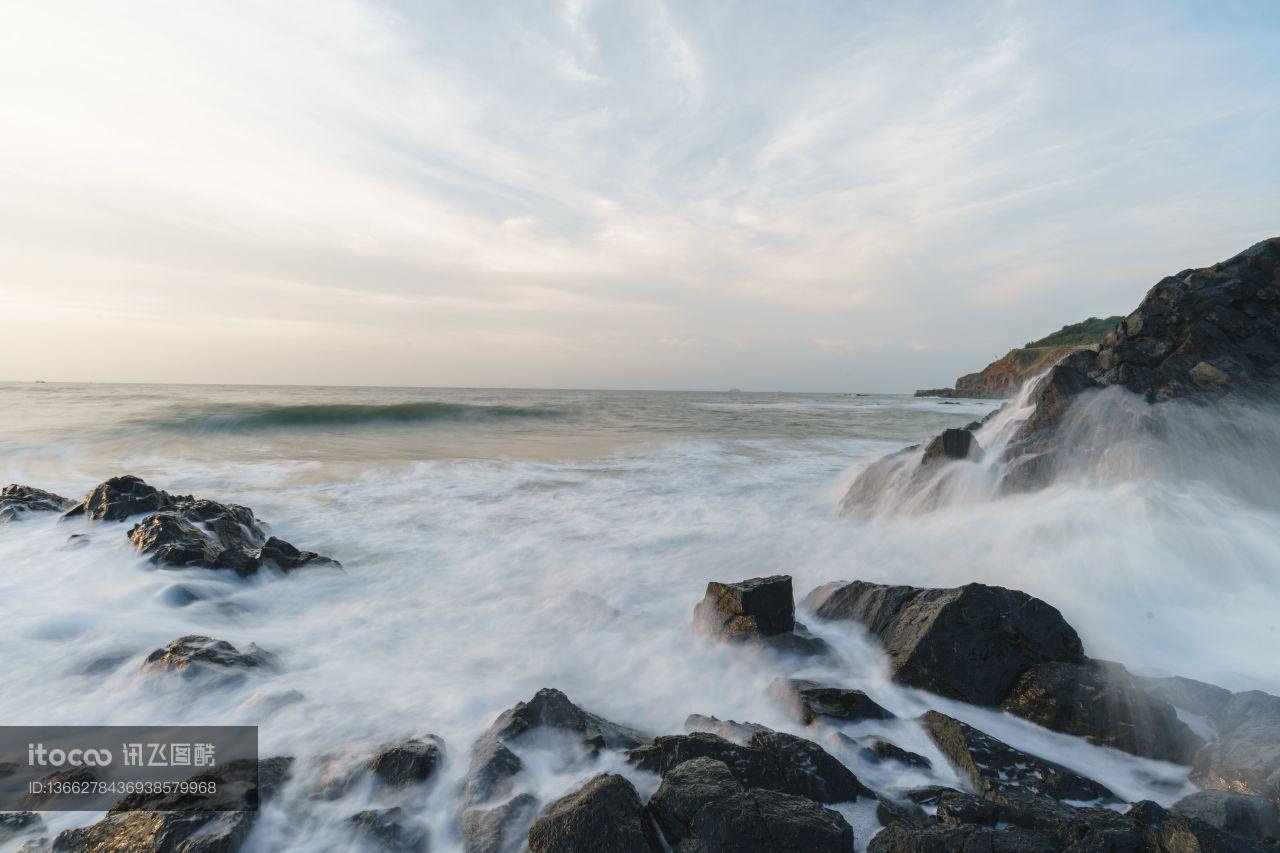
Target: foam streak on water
[{"x": 488, "y": 557}]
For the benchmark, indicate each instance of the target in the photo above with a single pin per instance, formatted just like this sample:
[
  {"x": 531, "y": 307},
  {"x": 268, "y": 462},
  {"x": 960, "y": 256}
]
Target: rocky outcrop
[
  {"x": 1099, "y": 701},
  {"x": 194, "y": 655},
  {"x": 491, "y": 817},
  {"x": 1251, "y": 817},
  {"x": 1169, "y": 832},
  {"x": 1003, "y": 377},
  {"x": 969, "y": 643},
  {"x": 703, "y": 805},
  {"x": 604, "y": 816},
  {"x": 18, "y": 500},
  {"x": 875, "y": 750},
  {"x": 121, "y": 497},
  {"x": 758, "y": 610},
  {"x": 1003, "y": 774},
  {"x": 808, "y": 700},
  {"x": 168, "y": 823},
  {"x": 771, "y": 760}
]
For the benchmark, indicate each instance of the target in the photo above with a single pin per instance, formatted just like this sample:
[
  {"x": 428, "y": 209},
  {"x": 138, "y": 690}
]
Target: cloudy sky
[{"x": 694, "y": 194}]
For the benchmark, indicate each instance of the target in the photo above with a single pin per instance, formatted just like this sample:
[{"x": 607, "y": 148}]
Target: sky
[{"x": 815, "y": 196}]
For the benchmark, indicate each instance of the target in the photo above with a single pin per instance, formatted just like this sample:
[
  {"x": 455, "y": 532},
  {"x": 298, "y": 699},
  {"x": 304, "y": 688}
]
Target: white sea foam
[{"x": 474, "y": 580}]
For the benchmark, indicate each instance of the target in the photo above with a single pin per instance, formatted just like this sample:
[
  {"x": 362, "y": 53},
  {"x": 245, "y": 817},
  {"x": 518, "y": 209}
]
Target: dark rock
[
  {"x": 750, "y": 608},
  {"x": 1168, "y": 832},
  {"x": 898, "y": 838},
  {"x": 808, "y": 700},
  {"x": 1054, "y": 394},
  {"x": 1248, "y": 816},
  {"x": 1031, "y": 471},
  {"x": 604, "y": 816},
  {"x": 170, "y": 825},
  {"x": 1067, "y": 827},
  {"x": 1099, "y": 701},
  {"x": 14, "y": 824},
  {"x": 385, "y": 829},
  {"x": 1004, "y": 774},
  {"x": 772, "y": 760},
  {"x": 875, "y": 750},
  {"x": 969, "y": 643},
  {"x": 121, "y": 497},
  {"x": 1202, "y": 333},
  {"x": 952, "y": 444},
  {"x": 407, "y": 762},
  {"x": 702, "y": 806},
  {"x": 173, "y": 540},
  {"x": 500, "y": 829},
  {"x": 195, "y": 655},
  {"x": 494, "y": 768},
  {"x": 17, "y": 500},
  {"x": 1246, "y": 755},
  {"x": 66, "y": 776}
]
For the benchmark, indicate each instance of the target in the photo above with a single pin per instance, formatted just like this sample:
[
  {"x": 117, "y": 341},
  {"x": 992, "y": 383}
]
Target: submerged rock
[
  {"x": 386, "y": 829},
  {"x": 14, "y": 824},
  {"x": 970, "y": 642},
  {"x": 18, "y": 500},
  {"x": 407, "y": 762},
  {"x": 728, "y": 729},
  {"x": 1099, "y": 701},
  {"x": 702, "y": 805},
  {"x": 488, "y": 823},
  {"x": 1004, "y": 774},
  {"x": 604, "y": 816},
  {"x": 875, "y": 750},
  {"x": 195, "y": 655},
  {"x": 808, "y": 700}
]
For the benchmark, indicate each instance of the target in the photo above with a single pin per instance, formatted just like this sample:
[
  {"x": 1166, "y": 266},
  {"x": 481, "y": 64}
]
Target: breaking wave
[{"x": 250, "y": 417}]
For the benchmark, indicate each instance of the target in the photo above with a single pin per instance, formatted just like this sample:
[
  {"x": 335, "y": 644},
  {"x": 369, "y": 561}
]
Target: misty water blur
[{"x": 496, "y": 542}]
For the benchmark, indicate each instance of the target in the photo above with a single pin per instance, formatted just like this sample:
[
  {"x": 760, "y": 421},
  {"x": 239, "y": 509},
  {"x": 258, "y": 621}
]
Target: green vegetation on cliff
[{"x": 1085, "y": 333}]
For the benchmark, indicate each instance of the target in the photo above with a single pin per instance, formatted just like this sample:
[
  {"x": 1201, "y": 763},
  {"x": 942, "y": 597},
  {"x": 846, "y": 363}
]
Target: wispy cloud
[{"x": 609, "y": 193}]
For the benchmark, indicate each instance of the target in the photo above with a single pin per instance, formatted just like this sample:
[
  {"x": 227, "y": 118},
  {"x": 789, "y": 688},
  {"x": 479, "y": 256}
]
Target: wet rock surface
[
  {"x": 757, "y": 610},
  {"x": 1248, "y": 816},
  {"x": 771, "y": 760},
  {"x": 1100, "y": 701},
  {"x": 1002, "y": 773},
  {"x": 17, "y": 500},
  {"x": 502, "y": 828},
  {"x": 407, "y": 762},
  {"x": 969, "y": 643},
  {"x": 950, "y": 445},
  {"x": 121, "y": 497},
  {"x": 195, "y": 655},
  {"x": 808, "y": 700},
  {"x": 1245, "y": 756},
  {"x": 702, "y": 805},
  {"x": 15, "y": 824},
  {"x": 604, "y": 816}
]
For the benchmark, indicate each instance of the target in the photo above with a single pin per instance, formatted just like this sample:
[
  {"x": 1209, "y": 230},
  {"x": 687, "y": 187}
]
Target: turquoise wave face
[{"x": 239, "y": 417}]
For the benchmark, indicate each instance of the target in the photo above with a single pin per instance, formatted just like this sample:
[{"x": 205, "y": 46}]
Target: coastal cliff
[{"x": 1003, "y": 377}]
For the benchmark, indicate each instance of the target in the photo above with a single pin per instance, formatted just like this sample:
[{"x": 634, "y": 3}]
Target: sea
[{"x": 494, "y": 542}]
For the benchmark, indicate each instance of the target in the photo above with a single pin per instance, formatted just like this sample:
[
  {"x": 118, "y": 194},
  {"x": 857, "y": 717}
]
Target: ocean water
[{"x": 496, "y": 542}]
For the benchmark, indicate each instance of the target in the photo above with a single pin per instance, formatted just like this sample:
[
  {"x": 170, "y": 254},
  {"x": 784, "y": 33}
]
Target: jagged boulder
[
  {"x": 121, "y": 497},
  {"x": 730, "y": 730},
  {"x": 407, "y": 762},
  {"x": 1099, "y": 701},
  {"x": 1004, "y": 774},
  {"x": 604, "y": 816},
  {"x": 503, "y": 828},
  {"x": 18, "y": 500},
  {"x": 757, "y": 610},
  {"x": 1202, "y": 333},
  {"x": 808, "y": 700},
  {"x": 703, "y": 806},
  {"x": 970, "y": 642},
  {"x": 195, "y": 655},
  {"x": 771, "y": 760}
]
